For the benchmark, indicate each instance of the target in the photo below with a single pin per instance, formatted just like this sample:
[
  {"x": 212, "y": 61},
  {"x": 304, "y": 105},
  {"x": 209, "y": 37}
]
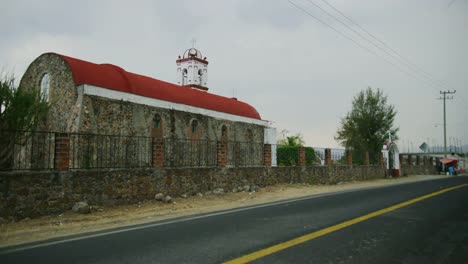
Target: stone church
[{"x": 87, "y": 97}]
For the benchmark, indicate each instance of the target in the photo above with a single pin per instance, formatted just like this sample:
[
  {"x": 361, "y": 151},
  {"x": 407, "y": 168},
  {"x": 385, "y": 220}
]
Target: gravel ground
[{"x": 69, "y": 223}]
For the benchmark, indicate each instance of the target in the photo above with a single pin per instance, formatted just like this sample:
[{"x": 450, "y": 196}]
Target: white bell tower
[{"x": 192, "y": 70}]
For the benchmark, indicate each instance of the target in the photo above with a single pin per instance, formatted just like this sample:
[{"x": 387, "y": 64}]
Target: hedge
[{"x": 289, "y": 155}]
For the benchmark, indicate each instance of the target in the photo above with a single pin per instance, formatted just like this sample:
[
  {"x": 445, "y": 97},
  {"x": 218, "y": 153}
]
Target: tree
[
  {"x": 293, "y": 140},
  {"x": 21, "y": 110},
  {"x": 287, "y": 153},
  {"x": 366, "y": 127}
]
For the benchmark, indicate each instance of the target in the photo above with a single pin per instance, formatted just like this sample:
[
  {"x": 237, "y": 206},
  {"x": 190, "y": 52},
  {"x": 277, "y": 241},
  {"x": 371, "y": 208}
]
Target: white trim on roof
[{"x": 138, "y": 99}]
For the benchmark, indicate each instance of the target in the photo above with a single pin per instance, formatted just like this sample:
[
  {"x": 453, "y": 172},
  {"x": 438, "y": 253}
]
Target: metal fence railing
[
  {"x": 91, "y": 151},
  {"x": 189, "y": 153},
  {"x": 22, "y": 150},
  {"x": 26, "y": 150},
  {"x": 242, "y": 154}
]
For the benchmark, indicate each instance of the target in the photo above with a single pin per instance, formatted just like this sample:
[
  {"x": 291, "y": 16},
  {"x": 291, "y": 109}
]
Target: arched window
[
  {"x": 200, "y": 76},
  {"x": 184, "y": 76},
  {"x": 156, "y": 121},
  {"x": 249, "y": 135},
  {"x": 45, "y": 87},
  {"x": 194, "y": 126},
  {"x": 224, "y": 133}
]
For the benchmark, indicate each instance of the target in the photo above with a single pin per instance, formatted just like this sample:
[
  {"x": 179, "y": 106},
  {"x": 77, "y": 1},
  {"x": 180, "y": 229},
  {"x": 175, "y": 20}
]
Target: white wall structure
[
  {"x": 270, "y": 138},
  {"x": 390, "y": 148},
  {"x": 192, "y": 70}
]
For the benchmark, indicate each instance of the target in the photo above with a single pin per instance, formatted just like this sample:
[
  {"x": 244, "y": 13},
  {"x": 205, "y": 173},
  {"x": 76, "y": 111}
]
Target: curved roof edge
[{"x": 113, "y": 77}]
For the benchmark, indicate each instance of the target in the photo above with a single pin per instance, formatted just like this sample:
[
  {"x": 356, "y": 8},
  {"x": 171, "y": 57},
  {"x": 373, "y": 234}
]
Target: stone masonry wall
[
  {"x": 423, "y": 169},
  {"x": 63, "y": 93},
  {"x": 112, "y": 117},
  {"x": 31, "y": 194}
]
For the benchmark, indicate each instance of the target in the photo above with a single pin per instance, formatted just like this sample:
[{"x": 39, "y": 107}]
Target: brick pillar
[
  {"x": 366, "y": 158},
  {"x": 400, "y": 157},
  {"x": 349, "y": 157},
  {"x": 221, "y": 154},
  {"x": 328, "y": 159},
  {"x": 418, "y": 160},
  {"x": 410, "y": 159},
  {"x": 381, "y": 159},
  {"x": 267, "y": 155},
  {"x": 158, "y": 153},
  {"x": 62, "y": 152},
  {"x": 302, "y": 157}
]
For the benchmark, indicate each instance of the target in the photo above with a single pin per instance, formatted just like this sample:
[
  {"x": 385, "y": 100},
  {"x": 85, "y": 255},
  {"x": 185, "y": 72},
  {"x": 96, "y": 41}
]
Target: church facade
[{"x": 105, "y": 99}]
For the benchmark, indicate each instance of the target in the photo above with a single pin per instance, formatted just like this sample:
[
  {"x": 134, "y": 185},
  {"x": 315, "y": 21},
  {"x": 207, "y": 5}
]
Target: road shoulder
[{"x": 69, "y": 223}]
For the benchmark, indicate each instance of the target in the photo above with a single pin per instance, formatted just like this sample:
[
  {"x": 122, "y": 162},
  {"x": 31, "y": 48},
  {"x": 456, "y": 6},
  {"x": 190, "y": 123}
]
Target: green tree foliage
[
  {"x": 293, "y": 140},
  {"x": 21, "y": 109},
  {"x": 289, "y": 155},
  {"x": 287, "y": 152},
  {"x": 366, "y": 126}
]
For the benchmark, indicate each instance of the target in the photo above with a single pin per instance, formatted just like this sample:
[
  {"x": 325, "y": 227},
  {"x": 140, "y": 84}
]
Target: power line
[
  {"x": 418, "y": 71},
  {"x": 349, "y": 38},
  {"x": 359, "y": 34},
  {"x": 428, "y": 75}
]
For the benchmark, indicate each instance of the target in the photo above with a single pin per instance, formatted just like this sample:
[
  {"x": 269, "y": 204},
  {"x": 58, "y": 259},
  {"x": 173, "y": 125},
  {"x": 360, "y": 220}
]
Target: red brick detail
[
  {"x": 192, "y": 58},
  {"x": 431, "y": 161},
  {"x": 366, "y": 158},
  {"x": 221, "y": 154},
  {"x": 158, "y": 153},
  {"x": 196, "y": 86},
  {"x": 328, "y": 158},
  {"x": 394, "y": 172},
  {"x": 267, "y": 155},
  {"x": 62, "y": 152},
  {"x": 349, "y": 157},
  {"x": 302, "y": 157},
  {"x": 410, "y": 159}
]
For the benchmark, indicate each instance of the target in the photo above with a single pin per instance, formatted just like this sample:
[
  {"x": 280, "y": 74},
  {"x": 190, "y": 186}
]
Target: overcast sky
[{"x": 296, "y": 71}]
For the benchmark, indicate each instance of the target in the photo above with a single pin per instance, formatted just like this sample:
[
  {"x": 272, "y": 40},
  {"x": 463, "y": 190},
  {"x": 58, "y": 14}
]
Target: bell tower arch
[{"x": 192, "y": 70}]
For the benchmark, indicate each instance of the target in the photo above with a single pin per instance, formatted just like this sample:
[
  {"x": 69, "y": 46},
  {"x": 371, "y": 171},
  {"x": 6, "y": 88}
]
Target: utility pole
[{"x": 445, "y": 97}]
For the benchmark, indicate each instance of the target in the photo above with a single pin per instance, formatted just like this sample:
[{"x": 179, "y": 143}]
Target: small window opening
[
  {"x": 223, "y": 131},
  {"x": 45, "y": 87},
  {"x": 156, "y": 121},
  {"x": 194, "y": 126}
]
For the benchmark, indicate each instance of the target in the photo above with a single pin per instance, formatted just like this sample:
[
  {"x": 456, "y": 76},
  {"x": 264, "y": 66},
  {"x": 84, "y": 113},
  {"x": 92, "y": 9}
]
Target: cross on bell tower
[{"x": 192, "y": 69}]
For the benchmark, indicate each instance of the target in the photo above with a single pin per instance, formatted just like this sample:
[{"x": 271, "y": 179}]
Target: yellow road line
[{"x": 278, "y": 247}]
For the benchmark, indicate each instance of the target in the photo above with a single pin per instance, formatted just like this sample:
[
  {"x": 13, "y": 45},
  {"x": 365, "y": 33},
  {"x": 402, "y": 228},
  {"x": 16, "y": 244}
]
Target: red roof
[{"x": 115, "y": 78}]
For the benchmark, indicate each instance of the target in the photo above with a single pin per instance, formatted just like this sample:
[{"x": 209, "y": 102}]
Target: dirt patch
[{"x": 70, "y": 223}]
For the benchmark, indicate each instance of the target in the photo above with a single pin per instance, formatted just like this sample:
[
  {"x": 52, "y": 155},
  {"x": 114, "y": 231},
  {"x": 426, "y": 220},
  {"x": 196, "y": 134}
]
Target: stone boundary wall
[
  {"x": 423, "y": 169},
  {"x": 32, "y": 194}
]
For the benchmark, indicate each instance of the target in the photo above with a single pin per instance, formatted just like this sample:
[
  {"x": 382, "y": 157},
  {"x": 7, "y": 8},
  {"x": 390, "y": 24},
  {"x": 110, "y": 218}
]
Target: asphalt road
[{"x": 434, "y": 230}]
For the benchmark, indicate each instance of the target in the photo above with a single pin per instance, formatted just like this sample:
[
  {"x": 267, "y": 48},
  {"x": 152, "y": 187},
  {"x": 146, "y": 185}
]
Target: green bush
[
  {"x": 289, "y": 155},
  {"x": 310, "y": 155}
]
